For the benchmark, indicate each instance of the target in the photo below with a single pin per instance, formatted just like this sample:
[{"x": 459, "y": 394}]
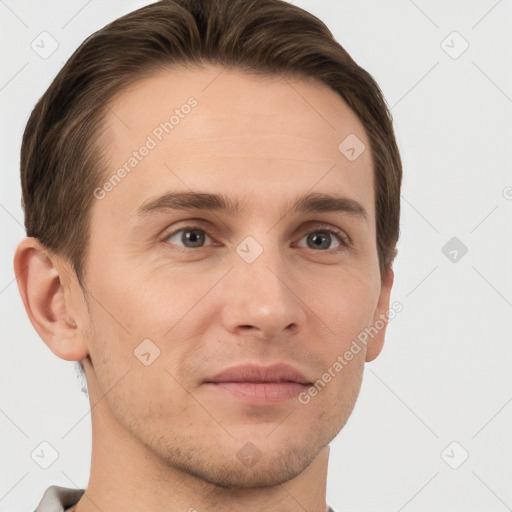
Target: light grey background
[{"x": 444, "y": 374}]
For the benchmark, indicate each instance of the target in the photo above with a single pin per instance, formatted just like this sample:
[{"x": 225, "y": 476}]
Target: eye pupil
[
  {"x": 192, "y": 236},
  {"x": 324, "y": 237}
]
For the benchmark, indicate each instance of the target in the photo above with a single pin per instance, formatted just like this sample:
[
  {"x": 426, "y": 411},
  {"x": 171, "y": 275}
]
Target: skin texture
[{"x": 162, "y": 439}]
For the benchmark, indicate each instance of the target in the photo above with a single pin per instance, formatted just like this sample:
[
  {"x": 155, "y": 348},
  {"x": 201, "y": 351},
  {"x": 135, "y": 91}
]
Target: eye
[
  {"x": 189, "y": 236},
  {"x": 321, "y": 238},
  {"x": 194, "y": 237}
]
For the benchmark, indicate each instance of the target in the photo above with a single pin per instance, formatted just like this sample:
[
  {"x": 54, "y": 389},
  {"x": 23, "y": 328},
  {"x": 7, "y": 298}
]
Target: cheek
[
  {"x": 347, "y": 314},
  {"x": 136, "y": 387},
  {"x": 333, "y": 395},
  {"x": 151, "y": 304},
  {"x": 348, "y": 308},
  {"x": 138, "y": 332},
  {"x": 127, "y": 308}
]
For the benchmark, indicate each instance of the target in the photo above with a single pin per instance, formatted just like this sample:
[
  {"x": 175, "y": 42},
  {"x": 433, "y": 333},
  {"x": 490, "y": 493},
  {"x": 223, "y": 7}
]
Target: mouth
[{"x": 253, "y": 384}]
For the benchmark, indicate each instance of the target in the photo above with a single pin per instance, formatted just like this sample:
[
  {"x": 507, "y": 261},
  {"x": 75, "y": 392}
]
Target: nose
[{"x": 261, "y": 298}]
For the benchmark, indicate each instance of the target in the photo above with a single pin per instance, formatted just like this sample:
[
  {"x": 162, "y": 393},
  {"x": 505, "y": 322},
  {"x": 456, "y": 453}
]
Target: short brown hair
[{"x": 62, "y": 160}]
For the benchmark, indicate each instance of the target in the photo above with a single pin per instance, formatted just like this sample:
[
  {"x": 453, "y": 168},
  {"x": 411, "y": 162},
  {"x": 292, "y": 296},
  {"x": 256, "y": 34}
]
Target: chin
[
  {"x": 262, "y": 474},
  {"x": 246, "y": 464}
]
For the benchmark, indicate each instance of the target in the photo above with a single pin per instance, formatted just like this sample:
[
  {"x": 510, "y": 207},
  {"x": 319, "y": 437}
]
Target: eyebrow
[{"x": 313, "y": 202}]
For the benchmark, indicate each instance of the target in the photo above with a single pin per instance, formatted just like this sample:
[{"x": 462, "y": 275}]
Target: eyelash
[{"x": 343, "y": 239}]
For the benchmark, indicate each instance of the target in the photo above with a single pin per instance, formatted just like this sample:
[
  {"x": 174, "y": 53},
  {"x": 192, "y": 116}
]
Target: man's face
[{"x": 209, "y": 298}]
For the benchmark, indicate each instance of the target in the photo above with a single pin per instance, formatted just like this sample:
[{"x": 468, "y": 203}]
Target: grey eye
[{"x": 190, "y": 237}]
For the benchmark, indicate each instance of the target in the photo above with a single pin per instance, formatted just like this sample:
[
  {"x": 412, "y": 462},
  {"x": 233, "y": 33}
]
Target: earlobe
[
  {"x": 43, "y": 294},
  {"x": 380, "y": 319}
]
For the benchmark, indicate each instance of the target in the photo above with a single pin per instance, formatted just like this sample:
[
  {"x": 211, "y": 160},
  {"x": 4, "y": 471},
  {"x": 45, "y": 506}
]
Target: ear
[
  {"x": 44, "y": 286},
  {"x": 380, "y": 317}
]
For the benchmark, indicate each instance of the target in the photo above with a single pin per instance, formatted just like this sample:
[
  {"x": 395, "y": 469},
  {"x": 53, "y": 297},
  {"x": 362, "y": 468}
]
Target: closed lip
[{"x": 255, "y": 373}]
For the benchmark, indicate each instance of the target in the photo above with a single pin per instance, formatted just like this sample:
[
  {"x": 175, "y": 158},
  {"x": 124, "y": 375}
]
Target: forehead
[{"x": 231, "y": 132}]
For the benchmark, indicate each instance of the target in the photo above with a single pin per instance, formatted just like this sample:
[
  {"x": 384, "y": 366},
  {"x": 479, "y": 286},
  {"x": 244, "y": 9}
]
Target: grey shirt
[{"x": 58, "y": 499}]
